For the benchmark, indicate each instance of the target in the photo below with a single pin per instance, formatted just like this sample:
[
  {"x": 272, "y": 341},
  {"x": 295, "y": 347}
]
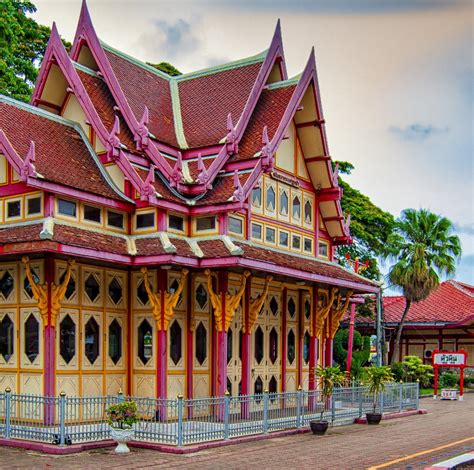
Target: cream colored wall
[
  {"x": 285, "y": 155},
  {"x": 3, "y": 169},
  {"x": 54, "y": 90},
  {"x": 72, "y": 110},
  {"x": 117, "y": 176}
]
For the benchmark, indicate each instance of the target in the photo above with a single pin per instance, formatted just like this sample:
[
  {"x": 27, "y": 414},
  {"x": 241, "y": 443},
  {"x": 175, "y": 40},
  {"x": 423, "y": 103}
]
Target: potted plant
[
  {"x": 328, "y": 378},
  {"x": 121, "y": 418},
  {"x": 376, "y": 378}
]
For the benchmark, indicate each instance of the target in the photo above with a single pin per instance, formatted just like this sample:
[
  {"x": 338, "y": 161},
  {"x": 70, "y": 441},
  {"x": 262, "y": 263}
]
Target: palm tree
[{"x": 423, "y": 248}]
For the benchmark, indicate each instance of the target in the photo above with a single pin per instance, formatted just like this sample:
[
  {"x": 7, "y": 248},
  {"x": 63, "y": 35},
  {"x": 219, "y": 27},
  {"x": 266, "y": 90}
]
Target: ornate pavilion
[{"x": 168, "y": 235}]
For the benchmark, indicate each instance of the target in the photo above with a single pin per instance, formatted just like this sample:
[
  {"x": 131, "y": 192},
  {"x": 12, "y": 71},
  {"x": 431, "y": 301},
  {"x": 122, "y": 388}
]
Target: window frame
[
  {"x": 148, "y": 228},
  {"x": 210, "y": 231},
  {"x": 5, "y": 211},
  {"x": 67, "y": 216},
  {"x": 35, "y": 215},
  {"x": 88, "y": 221},
  {"x": 241, "y": 219},
  {"x": 175, "y": 230}
]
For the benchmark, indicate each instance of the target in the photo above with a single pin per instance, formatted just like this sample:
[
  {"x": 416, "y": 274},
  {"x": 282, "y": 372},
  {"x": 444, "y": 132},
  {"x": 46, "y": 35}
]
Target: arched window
[
  {"x": 270, "y": 199},
  {"x": 308, "y": 212},
  {"x": 257, "y": 197},
  {"x": 284, "y": 203},
  {"x": 296, "y": 208}
]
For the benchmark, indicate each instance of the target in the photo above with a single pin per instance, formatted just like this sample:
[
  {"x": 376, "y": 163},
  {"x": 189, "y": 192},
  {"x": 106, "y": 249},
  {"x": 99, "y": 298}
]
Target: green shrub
[
  {"x": 411, "y": 370},
  {"x": 448, "y": 380},
  {"x": 123, "y": 415}
]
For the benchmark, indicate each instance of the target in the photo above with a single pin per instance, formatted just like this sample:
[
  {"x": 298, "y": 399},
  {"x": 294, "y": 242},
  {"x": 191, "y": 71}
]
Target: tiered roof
[{"x": 196, "y": 143}]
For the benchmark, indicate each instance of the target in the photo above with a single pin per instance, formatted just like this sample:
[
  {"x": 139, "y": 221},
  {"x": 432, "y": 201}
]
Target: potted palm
[
  {"x": 328, "y": 378},
  {"x": 121, "y": 418},
  {"x": 376, "y": 378}
]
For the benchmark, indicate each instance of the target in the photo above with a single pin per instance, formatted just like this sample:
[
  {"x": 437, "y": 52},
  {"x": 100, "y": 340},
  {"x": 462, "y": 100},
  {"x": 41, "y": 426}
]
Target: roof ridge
[
  {"x": 190, "y": 75},
  {"x": 85, "y": 69},
  {"x": 222, "y": 67},
  {"x": 177, "y": 117},
  {"x": 137, "y": 62},
  {"x": 461, "y": 287},
  {"x": 284, "y": 83}
]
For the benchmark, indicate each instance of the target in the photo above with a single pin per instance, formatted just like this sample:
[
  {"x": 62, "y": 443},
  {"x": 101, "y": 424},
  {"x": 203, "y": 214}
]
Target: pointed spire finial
[
  {"x": 142, "y": 138},
  {"x": 177, "y": 173},
  {"x": 203, "y": 176},
  {"x": 238, "y": 194},
  {"x": 28, "y": 169},
  {"x": 148, "y": 188},
  {"x": 113, "y": 142},
  {"x": 267, "y": 153},
  {"x": 231, "y": 136}
]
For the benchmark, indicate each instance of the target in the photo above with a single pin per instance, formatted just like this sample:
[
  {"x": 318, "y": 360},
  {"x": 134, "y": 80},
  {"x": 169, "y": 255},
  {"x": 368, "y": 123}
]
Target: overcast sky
[{"x": 396, "y": 80}]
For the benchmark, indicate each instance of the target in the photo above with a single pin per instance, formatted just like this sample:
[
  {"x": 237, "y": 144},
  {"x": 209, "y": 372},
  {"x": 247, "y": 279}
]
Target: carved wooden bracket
[
  {"x": 338, "y": 313},
  {"x": 320, "y": 315},
  {"x": 232, "y": 301},
  {"x": 164, "y": 314},
  {"x": 40, "y": 292},
  {"x": 255, "y": 307}
]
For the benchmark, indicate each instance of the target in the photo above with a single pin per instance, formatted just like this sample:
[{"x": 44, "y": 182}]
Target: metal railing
[{"x": 66, "y": 420}]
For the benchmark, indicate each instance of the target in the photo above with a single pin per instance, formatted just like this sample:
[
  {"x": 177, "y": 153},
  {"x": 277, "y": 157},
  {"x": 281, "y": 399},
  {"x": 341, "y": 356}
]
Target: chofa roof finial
[
  {"x": 177, "y": 173},
  {"x": 142, "y": 138},
  {"x": 231, "y": 138},
  {"x": 203, "y": 176},
  {"x": 28, "y": 169},
  {"x": 238, "y": 195},
  {"x": 267, "y": 153},
  {"x": 113, "y": 142}
]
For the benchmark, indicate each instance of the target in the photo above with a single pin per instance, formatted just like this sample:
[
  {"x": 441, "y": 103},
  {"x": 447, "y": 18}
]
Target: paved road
[{"x": 349, "y": 447}]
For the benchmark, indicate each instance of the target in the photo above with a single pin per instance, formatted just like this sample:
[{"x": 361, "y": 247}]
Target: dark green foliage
[
  {"x": 448, "y": 380},
  {"x": 166, "y": 68},
  {"x": 360, "y": 351},
  {"x": 370, "y": 227},
  {"x": 22, "y": 45},
  {"x": 411, "y": 370}
]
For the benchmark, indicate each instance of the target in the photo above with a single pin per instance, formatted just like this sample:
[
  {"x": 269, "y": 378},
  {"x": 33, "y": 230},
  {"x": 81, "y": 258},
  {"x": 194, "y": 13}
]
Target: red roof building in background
[
  {"x": 444, "y": 320},
  {"x": 168, "y": 235}
]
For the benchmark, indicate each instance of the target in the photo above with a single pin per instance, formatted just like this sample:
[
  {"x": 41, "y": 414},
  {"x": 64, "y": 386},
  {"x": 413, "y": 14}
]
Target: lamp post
[{"x": 358, "y": 268}]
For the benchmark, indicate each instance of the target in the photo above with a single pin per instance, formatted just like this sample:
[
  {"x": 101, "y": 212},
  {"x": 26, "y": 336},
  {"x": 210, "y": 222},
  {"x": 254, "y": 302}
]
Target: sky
[{"x": 396, "y": 79}]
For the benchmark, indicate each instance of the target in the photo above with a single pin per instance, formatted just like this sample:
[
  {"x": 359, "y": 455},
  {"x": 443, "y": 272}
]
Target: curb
[{"x": 403, "y": 414}]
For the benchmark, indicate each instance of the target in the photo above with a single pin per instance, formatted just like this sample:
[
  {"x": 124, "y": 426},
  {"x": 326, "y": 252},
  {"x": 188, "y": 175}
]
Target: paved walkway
[{"x": 349, "y": 447}]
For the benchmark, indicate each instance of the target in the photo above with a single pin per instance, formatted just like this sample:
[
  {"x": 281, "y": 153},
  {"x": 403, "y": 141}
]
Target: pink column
[
  {"x": 350, "y": 342},
  {"x": 221, "y": 337},
  {"x": 48, "y": 347},
  {"x": 161, "y": 350},
  {"x": 246, "y": 359},
  {"x": 284, "y": 345},
  {"x": 300, "y": 337},
  {"x": 313, "y": 351},
  {"x": 189, "y": 340}
]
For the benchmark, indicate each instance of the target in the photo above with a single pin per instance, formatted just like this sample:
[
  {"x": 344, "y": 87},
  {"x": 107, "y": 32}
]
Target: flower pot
[
  {"x": 122, "y": 436},
  {"x": 373, "y": 418},
  {"x": 319, "y": 428}
]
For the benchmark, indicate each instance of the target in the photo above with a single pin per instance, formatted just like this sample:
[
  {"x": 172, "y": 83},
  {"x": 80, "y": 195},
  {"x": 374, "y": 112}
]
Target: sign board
[
  {"x": 449, "y": 394},
  {"x": 449, "y": 358}
]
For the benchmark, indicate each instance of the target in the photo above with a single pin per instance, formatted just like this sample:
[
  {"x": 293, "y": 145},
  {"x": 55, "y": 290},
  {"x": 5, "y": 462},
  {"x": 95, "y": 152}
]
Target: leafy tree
[
  {"x": 370, "y": 227},
  {"x": 411, "y": 370},
  {"x": 423, "y": 247},
  {"x": 360, "y": 350},
  {"x": 166, "y": 68},
  {"x": 22, "y": 45}
]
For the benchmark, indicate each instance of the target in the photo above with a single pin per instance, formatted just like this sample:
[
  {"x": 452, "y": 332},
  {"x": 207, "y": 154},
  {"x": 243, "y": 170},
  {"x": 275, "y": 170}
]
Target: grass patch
[{"x": 426, "y": 391}]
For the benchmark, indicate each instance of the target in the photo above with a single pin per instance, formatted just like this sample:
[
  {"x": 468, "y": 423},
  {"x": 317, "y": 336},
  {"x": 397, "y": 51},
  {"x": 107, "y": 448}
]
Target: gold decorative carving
[
  {"x": 170, "y": 299},
  {"x": 256, "y": 305},
  {"x": 337, "y": 314},
  {"x": 321, "y": 314},
  {"x": 40, "y": 292},
  {"x": 232, "y": 301}
]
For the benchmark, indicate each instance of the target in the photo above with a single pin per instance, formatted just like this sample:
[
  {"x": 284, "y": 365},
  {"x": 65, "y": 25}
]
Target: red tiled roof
[
  {"x": 452, "y": 302},
  {"x": 213, "y": 249},
  {"x": 314, "y": 266},
  {"x": 222, "y": 190},
  {"x": 61, "y": 155},
  {"x": 208, "y": 99},
  {"x": 269, "y": 112},
  {"x": 142, "y": 87},
  {"x": 20, "y": 234},
  {"x": 73, "y": 236},
  {"x": 104, "y": 103}
]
